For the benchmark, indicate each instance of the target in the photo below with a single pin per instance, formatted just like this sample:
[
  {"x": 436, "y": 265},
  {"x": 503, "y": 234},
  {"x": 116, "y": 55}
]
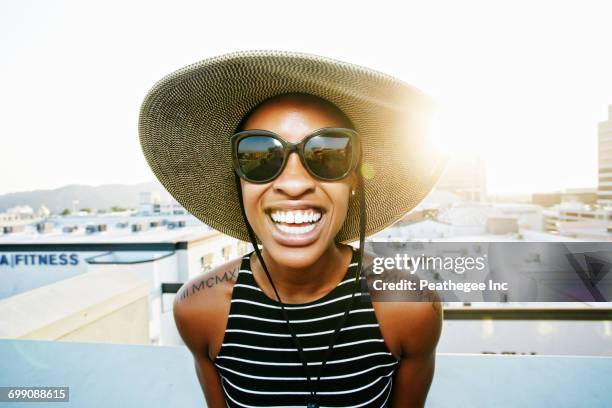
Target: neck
[{"x": 301, "y": 285}]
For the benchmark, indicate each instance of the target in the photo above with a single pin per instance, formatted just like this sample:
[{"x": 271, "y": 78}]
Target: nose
[{"x": 294, "y": 180}]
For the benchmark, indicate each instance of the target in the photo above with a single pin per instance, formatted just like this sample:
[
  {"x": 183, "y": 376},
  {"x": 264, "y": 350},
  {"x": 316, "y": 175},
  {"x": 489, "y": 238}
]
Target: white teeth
[
  {"x": 296, "y": 217},
  {"x": 296, "y": 230}
]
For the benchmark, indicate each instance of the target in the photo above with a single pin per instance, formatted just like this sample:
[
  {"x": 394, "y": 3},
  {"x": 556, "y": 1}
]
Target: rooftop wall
[
  {"x": 107, "y": 305},
  {"x": 105, "y": 375}
]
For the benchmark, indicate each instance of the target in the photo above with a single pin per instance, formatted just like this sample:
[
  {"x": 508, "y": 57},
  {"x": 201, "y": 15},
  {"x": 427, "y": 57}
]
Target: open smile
[{"x": 296, "y": 227}]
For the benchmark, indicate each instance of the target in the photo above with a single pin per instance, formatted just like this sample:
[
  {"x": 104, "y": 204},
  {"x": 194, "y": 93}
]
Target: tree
[{"x": 65, "y": 212}]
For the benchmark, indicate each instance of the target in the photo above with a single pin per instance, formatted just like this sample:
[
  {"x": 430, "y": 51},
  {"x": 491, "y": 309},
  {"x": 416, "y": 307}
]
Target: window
[
  {"x": 225, "y": 252},
  {"x": 206, "y": 263}
]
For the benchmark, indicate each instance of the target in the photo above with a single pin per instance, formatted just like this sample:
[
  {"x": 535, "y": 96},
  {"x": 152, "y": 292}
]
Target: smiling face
[{"x": 296, "y": 216}]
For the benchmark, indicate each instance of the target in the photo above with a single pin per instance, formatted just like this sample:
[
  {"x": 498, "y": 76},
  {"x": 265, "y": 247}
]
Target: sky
[{"x": 523, "y": 84}]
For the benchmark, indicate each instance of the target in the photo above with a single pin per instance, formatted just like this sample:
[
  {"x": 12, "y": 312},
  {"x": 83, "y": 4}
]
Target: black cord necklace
[{"x": 313, "y": 403}]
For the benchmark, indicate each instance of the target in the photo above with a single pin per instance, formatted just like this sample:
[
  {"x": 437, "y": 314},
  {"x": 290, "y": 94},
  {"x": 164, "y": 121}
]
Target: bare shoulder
[
  {"x": 204, "y": 287},
  {"x": 418, "y": 325},
  {"x": 409, "y": 327},
  {"x": 202, "y": 304}
]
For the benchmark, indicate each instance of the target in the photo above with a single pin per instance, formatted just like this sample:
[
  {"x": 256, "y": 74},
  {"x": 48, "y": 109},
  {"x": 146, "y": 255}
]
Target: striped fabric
[{"x": 260, "y": 366}]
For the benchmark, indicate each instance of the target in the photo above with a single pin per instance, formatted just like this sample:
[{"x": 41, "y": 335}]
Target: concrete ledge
[
  {"x": 107, "y": 305},
  {"x": 151, "y": 376}
]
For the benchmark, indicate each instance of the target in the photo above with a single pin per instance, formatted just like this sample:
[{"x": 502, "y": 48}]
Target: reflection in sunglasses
[{"x": 261, "y": 157}]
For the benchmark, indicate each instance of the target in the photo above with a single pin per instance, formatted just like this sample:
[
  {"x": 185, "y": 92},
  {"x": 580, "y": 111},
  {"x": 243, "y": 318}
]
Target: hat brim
[{"x": 187, "y": 118}]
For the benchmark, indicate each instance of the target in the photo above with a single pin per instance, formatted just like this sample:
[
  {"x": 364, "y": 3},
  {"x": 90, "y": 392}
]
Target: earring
[{"x": 353, "y": 192}]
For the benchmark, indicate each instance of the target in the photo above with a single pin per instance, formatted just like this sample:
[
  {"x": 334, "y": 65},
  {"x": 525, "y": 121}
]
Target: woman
[{"x": 300, "y": 154}]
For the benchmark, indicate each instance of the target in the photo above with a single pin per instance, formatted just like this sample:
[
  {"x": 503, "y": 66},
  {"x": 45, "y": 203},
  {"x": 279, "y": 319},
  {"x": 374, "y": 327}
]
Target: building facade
[{"x": 604, "y": 191}]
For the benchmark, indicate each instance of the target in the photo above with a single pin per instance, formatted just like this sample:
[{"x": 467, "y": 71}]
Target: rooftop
[{"x": 118, "y": 230}]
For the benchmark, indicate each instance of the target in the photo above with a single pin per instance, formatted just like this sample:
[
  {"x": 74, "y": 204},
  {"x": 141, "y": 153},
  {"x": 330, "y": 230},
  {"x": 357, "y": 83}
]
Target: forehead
[{"x": 294, "y": 116}]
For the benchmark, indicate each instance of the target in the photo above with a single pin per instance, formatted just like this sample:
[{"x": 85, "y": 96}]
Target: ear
[{"x": 352, "y": 182}]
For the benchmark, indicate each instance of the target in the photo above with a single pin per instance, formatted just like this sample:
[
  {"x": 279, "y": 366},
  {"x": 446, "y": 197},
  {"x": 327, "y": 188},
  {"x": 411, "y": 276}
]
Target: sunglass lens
[
  {"x": 260, "y": 157},
  {"x": 328, "y": 156}
]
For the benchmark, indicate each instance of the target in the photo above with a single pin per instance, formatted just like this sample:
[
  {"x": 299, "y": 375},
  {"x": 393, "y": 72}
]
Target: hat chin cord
[{"x": 362, "y": 222}]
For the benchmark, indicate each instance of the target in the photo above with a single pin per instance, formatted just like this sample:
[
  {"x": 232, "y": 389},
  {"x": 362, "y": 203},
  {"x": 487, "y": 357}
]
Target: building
[
  {"x": 149, "y": 202},
  {"x": 528, "y": 216},
  {"x": 590, "y": 209},
  {"x": 424, "y": 229},
  {"x": 461, "y": 220},
  {"x": 591, "y": 230},
  {"x": 164, "y": 251},
  {"x": 604, "y": 190},
  {"x": 16, "y": 218},
  {"x": 574, "y": 212},
  {"x": 569, "y": 195},
  {"x": 546, "y": 199},
  {"x": 501, "y": 225},
  {"x": 582, "y": 195}
]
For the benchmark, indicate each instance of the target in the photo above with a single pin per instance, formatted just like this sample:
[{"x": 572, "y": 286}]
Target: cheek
[
  {"x": 251, "y": 198},
  {"x": 341, "y": 197}
]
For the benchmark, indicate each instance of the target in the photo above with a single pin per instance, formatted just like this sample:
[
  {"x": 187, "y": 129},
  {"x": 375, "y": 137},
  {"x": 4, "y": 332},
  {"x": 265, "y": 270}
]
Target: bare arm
[
  {"x": 210, "y": 382},
  {"x": 201, "y": 308},
  {"x": 419, "y": 327}
]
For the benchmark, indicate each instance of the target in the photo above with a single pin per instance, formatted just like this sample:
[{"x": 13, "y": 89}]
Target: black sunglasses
[{"x": 328, "y": 154}]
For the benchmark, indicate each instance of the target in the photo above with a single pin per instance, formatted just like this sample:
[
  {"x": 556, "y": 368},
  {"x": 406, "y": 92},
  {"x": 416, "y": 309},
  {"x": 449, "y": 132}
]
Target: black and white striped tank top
[{"x": 259, "y": 365}]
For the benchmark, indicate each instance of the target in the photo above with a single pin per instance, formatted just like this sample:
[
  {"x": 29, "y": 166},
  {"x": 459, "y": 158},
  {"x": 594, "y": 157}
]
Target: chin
[{"x": 295, "y": 257}]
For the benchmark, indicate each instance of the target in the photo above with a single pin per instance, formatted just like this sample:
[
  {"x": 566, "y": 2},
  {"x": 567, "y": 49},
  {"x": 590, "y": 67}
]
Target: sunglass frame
[{"x": 289, "y": 147}]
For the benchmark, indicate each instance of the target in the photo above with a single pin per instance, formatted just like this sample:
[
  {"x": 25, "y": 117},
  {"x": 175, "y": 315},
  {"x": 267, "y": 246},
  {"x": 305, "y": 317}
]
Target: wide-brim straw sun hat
[{"x": 188, "y": 117}]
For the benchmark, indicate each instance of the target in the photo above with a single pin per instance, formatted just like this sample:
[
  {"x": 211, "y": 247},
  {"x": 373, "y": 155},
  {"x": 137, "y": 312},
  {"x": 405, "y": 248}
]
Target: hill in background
[{"x": 100, "y": 197}]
